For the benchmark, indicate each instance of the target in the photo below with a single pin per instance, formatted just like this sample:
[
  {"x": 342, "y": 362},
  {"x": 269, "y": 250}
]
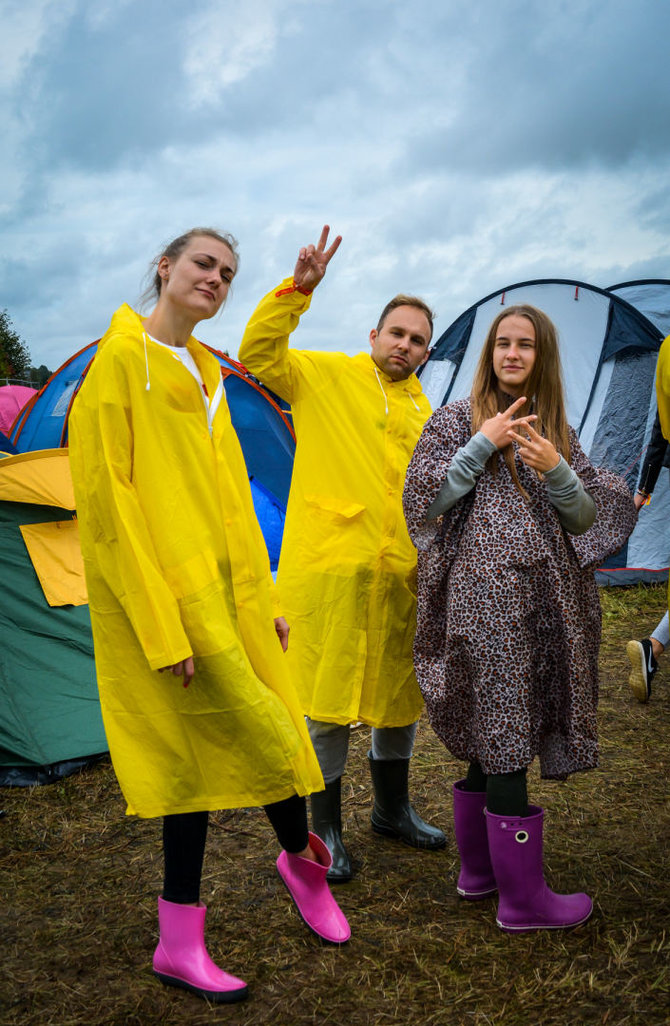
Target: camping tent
[
  {"x": 12, "y": 400},
  {"x": 651, "y": 296},
  {"x": 50, "y": 720},
  {"x": 263, "y": 427},
  {"x": 5, "y": 445},
  {"x": 608, "y": 351}
]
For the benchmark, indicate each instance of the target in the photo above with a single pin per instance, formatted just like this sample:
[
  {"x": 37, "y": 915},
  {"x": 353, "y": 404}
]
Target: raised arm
[
  {"x": 264, "y": 348},
  {"x": 312, "y": 262}
]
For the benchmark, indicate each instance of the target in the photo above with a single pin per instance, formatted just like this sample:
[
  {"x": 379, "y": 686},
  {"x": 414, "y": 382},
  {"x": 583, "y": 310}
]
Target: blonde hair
[
  {"x": 173, "y": 249},
  {"x": 544, "y": 388}
]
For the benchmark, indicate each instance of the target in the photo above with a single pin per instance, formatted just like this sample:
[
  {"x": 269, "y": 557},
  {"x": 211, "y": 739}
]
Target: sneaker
[{"x": 644, "y": 665}]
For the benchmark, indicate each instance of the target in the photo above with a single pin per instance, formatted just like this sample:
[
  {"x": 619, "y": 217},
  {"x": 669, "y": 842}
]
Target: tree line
[{"x": 15, "y": 361}]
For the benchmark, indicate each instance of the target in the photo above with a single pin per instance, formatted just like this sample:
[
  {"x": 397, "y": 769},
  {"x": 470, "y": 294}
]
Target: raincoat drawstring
[
  {"x": 386, "y": 402},
  {"x": 146, "y": 361}
]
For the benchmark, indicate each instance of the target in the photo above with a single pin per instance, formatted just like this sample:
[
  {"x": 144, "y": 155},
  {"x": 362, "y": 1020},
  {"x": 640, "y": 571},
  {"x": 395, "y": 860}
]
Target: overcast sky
[{"x": 458, "y": 147}]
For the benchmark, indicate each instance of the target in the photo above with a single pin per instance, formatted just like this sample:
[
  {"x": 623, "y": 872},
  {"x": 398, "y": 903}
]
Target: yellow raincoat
[
  {"x": 663, "y": 394},
  {"x": 176, "y": 565},
  {"x": 663, "y": 387},
  {"x": 347, "y": 572}
]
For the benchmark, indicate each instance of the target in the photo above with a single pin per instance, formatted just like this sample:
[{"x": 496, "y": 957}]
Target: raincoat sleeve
[
  {"x": 264, "y": 349},
  {"x": 115, "y": 535},
  {"x": 663, "y": 387},
  {"x": 615, "y": 515}
]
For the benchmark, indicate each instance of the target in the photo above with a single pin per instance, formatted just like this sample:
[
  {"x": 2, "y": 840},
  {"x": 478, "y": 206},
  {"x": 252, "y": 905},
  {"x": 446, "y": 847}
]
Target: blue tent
[
  {"x": 5, "y": 445},
  {"x": 262, "y": 425},
  {"x": 608, "y": 351}
]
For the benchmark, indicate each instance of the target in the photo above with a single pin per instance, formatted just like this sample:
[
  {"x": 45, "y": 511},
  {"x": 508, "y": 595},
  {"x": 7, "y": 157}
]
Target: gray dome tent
[
  {"x": 608, "y": 350},
  {"x": 651, "y": 296}
]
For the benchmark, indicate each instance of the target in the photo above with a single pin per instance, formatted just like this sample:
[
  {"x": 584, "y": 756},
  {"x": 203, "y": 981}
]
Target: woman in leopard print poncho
[{"x": 510, "y": 519}]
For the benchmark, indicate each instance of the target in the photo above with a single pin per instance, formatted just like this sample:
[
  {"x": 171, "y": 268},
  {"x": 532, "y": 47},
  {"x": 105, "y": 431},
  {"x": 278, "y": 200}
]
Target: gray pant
[
  {"x": 331, "y": 744},
  {"x": 662, "y": 633}
]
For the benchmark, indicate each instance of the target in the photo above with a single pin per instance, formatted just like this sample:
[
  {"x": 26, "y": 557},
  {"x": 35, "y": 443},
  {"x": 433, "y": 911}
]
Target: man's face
[{"x": 401, "y": 344}]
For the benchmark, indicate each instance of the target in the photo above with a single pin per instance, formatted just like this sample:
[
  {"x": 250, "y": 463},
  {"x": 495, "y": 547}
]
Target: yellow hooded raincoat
[
  {"x": 663, "y": 394},
  {"x": 663, "y": 387},
  {"x": 176, "y": 565},
  {"x": 347, "y": 573}
]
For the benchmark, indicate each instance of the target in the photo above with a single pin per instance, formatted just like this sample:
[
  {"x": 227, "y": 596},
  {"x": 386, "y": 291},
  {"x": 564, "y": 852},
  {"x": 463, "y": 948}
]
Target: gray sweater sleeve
[
  {"x": 575, "y": 507},
  {"x": 464, "y": 471}
]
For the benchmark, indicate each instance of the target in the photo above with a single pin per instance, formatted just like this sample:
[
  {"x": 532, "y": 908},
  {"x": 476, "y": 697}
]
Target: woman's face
[
  {"x": 514, "y": 354},
  {"x": 198, "y": 280}
]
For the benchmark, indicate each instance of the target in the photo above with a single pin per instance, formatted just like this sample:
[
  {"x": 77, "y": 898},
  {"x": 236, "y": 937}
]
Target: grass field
[{"x": 79, "y": 882}]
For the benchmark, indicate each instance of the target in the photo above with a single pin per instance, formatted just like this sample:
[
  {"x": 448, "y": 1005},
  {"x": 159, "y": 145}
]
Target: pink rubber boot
[
  {"x": 526, "y": 903},
  {"x": 181, "y": 958},
  {"x": 306, "y": 883},
  {"x": 476, "y": 879}
]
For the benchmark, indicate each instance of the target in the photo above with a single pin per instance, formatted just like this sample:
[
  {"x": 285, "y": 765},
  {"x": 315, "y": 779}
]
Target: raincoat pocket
[
  {"x": 331, "y": 532},
  {"x": 340, "y": 511},
  {"x": 192, "y": 575}
]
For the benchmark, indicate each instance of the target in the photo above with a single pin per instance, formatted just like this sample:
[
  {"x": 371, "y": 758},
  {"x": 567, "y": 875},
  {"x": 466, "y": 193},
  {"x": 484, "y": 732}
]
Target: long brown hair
[{"x": 544, "y": 388}]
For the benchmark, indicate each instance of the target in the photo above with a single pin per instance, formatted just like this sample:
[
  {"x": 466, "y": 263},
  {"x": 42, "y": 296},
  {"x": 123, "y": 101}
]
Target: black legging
[
  {"x": 185, "y": 833},
  {"x": 506, "y": 793}
]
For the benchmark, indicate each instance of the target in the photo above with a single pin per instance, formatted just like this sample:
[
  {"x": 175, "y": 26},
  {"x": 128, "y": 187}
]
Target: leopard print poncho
[{"x": 508, "y": 616}]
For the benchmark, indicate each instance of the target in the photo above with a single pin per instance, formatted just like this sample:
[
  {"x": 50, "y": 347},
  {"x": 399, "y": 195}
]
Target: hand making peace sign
[
  {"x": 500, "y": 429},
  {"x": 313, "y": 260},
  {"x": 535, "y": 451}
]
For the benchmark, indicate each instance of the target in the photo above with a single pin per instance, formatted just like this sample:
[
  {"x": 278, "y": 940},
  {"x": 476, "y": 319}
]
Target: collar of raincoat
[
  {"x": 410, "y": 384},
  {"x": 126, "y": 321}
]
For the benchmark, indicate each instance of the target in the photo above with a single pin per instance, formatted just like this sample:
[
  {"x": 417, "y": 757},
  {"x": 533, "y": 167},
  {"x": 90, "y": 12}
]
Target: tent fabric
[
  {"x": 42, "y": 478},
  {"x": 49, "y": 708},
  {"x": 55, "y": 552},
  {"x": 43, "y": 422},
  {"x": 608, "y": 351},
  {"x": 5, "y": 445},
  {"x": 651, "y": 296},
  {"x": 13, "y": 398},
  {"x": 271, "y": 515}
]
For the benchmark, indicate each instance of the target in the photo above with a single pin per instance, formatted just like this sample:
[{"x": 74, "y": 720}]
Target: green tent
[{"x": 50, "y": 722}]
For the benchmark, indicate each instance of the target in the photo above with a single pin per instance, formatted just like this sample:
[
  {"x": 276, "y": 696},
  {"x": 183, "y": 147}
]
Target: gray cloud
[{"x": 458, "y": 148}]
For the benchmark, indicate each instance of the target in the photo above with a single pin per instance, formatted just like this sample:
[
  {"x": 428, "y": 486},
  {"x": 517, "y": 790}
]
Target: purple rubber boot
[
  {"x": 306, "y": 883},
  {"x": 181, "y": 958},
  {"x": 525, "y": 901},
  {"x": 476, "y": 879}
]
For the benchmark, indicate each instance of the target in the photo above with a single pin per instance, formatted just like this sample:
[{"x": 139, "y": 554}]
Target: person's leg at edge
[
  {"x": 331, "y": 744},
  {"x": 393, "y": 814},
  {"x": 303, "y": 866},
  {"x": 643, "y": 657},
  {"x": 181, "y": 958},
  {"x": 515, "y": 837},
  {"x": 660, "y": 637}
]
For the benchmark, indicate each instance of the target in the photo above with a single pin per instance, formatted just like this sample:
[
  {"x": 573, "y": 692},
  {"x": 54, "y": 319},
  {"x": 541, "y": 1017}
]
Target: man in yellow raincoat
[{"x": 347, "y": 569}]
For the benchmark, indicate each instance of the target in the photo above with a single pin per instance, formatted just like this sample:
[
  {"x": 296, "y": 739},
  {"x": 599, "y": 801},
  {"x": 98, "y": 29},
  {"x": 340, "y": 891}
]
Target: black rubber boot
[
  {"x": 392, "y": 814},
  {"x": 327, "y": 824}
]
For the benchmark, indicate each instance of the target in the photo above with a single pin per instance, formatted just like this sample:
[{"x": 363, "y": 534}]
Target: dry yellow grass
[{"x": 79, "y": 882}]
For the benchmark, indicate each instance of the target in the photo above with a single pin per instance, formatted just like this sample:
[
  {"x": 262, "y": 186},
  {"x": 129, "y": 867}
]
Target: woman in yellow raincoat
[{"x": 179, "y": 581}]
